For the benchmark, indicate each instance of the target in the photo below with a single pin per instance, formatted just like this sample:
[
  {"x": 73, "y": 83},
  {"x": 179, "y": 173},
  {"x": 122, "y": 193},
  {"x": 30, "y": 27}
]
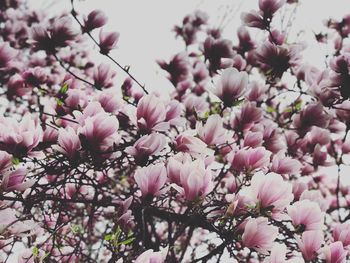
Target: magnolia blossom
[
  {"x": 147, "y": 146},
  {"x": 195, "y": 180},
  {"x": 108, "y": 41},
  {"x": 285, "y": 165},
  {"x": 99, "y": 130},
  {"x": 334, "y": 253},
  {"x": 19, "y": 138},
  {"x": 174, "y": 166},
  {"x": 258, "y": 234},
  {"x": 191, "y": 145},
  {"x": 151, "y": 114},
  {"x": 69, "y": 142},
  {"x": 151, "y": 179},
  {"x": 5, "y": 160},
  {"x": 212, "y": 132},
  {"x": 306, "y": 215},
  {"x": 12, "y": 181},
  {"x": 150, "y": 256},
  {"x": 231, "y": 86},
  {"x": 271, "y": 191},
  {"x": 250, "y": 159},
  {"x": 341, "y": 232},
  {"x": 309, "y": 243},
  {"x": 95, "y": 19}
]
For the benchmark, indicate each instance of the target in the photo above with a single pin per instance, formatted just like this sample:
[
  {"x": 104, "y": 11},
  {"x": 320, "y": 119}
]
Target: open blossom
[
  {"x": 174, "y": 166},
  {"x": 334, "y": 253},
  {"x": 212, "y": 132},
  {"x": 258, "y": 234},
  {"x": 285, "y": 165},
  {"x": 341, "y": 232},
  {"x": 271, "y": 191},
  {"x": 191, "y": 145},
  {"x": 269, "y": 7},
  {"x": 231, "y": 86},
  {"x": 311, "y": 115},
  {"x": 306, "y": 215},
  {"x": 5, "y": 160},
  {"x": 103, "y": 76},
  {"x": 15, "y": 180},
  {"x": 108, "y": 41},
  {"x": 151, "y": 114},
  {"x": 69, "y": 142},
  {"x": 151, "y": 179},
  {"x": 250, "y": 159},
  {"x": 278, "y": 254},
  {"x": 99, "y": 130},
  {"x": 6, "y": 54},
  {"x": 309, "y": 243},
  {"x": 147, "y": 146},
  {"x": 150, "y": 256},
  {"x": 95, "y": 19},
  {"x": 19, "y": 138},
  {"x": 247, "y": 117},
  {"x": 195, "y": 179}
]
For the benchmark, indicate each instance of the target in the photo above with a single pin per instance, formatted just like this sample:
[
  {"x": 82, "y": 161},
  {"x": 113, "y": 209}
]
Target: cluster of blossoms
[{"x": 242, "y": 162}]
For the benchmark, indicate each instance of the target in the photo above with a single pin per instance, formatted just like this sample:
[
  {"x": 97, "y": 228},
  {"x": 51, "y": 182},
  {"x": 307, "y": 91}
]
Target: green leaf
[
  {"x": 127, "y": 241},
  {"x": 108, "y": 237},
  {"x": 237, "y": 102},
  {"x": 35, "y": 251},
  {"x": 298, "y": 105},
  {"x": 59, "y": 102},
  {"x": 270, "y": 109},
  {"x": 15, "y": 161},
  {"x": 64, "y": 89}
]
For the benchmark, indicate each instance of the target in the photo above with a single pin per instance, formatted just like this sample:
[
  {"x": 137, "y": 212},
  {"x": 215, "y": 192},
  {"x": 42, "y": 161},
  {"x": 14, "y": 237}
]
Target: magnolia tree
[{"x": 228, "y": 167}]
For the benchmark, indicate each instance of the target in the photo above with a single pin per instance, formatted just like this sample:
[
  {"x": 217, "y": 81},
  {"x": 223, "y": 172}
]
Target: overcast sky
[{"x": 145, "y": 26}]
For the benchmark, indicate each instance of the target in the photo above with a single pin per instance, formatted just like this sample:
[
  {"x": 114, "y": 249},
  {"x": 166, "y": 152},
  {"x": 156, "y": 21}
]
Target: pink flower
[
  {"x": 251, "y": 159},
  {"x": 253, "y": 19},
  {"x": 311, "y": 115},
  {"x": 151, "y": 114},
  {"x": 5, "y": 160},
  {"x": 99, "y": 130},
  {"x": 69, "y": 142},
  {"x": 174, "y": 166},
  {"x": 191, "y": 145},
  {"x": 271, "y": 191},
  {"x": 231, "y": 86},
  {"x": 309, "y": 243},
  {"x": 108, "y": 41},
  {"x": 341, "y": 232},
  {"x": 278, "y": 254},
  {"x": 253, "y": 139},
  {"x": 7, "y": 54},
  {"x": 147, "y": 146},
  {"x": 174, "y": 110},
  {"x": 103, "y": 76},
  {"x": 14, "y": 181},
  {"x": 149, "y": 256},
  {"x": 95, "y": 19},
  {"x": 212, "y": 132},
  {"x": 258, "y": 234},
  {"x": 334, "y": 253},
  {"x": 306, "y": 215},
  {"x": 151, "y": 179},
  {"x": 317, "y": 197},
  {"x": 285, "y": 165},
  {"x": 269, "y": 7},
  {"x": 195, "y": 180},
  {"x": 19, "y": 138},
  {"x": 247, "y": 117}
]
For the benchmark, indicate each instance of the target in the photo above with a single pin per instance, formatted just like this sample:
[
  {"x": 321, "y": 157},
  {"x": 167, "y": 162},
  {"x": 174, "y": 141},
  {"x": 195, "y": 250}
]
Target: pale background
[{"x": 145, "y": 28}]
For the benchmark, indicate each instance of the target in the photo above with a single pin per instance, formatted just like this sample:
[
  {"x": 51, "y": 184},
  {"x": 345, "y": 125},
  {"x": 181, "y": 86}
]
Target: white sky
[{"x": 145, "y": 27}]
